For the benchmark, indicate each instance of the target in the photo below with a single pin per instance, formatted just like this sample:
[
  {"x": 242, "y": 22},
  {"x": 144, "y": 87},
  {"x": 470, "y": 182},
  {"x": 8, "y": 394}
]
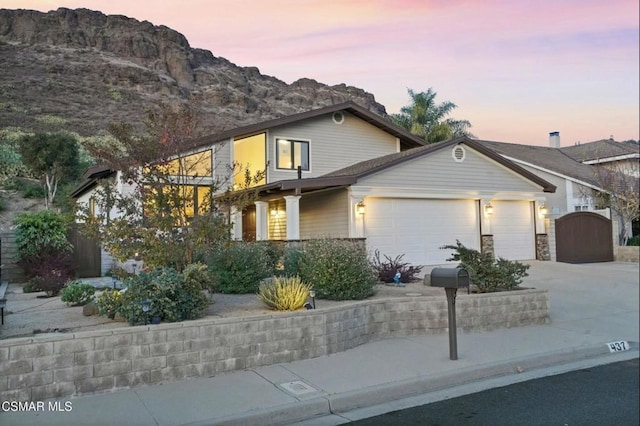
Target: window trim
[{"x": 292, "y": 141}]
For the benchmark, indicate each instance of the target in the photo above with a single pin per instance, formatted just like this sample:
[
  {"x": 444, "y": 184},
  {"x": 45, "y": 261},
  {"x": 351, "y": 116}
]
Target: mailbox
[{"x": 449, "y": 277}]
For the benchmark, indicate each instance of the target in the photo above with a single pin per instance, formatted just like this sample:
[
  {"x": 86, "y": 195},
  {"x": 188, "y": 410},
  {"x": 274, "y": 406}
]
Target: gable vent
[
  {"x": 459, "y": 153},
  {"x": 338, "y": 117}
]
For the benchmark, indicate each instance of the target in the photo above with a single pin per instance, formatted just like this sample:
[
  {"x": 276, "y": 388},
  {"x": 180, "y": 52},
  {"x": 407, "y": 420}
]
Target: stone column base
[{"x": 542, "y": 247}]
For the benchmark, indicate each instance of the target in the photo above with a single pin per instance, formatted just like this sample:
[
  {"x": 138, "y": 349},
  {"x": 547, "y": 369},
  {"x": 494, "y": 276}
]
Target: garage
[
  {"x": 513, "y": 230},
  {"x": 418, "y": 228}
]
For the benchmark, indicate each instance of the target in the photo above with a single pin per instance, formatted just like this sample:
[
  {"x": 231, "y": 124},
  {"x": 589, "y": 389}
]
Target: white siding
[
  {"x": 440, "y": 171},
  {"x": 325, "y": 214},
  {"x": 332, "y": 146}
]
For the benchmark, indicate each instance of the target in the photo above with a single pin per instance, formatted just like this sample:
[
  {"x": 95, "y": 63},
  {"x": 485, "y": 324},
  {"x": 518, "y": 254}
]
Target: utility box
[{"x": 449, "y": 277}]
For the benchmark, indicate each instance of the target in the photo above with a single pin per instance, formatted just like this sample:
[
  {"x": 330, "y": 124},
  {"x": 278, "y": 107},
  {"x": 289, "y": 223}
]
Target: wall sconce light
[
  {"x": 274, "y": 212},
  {"x": 543, "y": 210},
  {"x": 488, "y": 209},
  {"x": 360, "y": 207}
]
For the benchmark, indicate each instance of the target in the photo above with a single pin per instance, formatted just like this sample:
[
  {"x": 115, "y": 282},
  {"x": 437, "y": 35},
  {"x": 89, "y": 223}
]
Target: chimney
[{"x": 554, "y": 139}]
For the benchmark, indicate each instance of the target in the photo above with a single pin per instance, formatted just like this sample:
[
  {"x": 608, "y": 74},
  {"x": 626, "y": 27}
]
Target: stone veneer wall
[
  {"x": 486, "y": 244},
  {"x": 55, "y": 366},
  {"x": 627, "y": 253},
  {"x": 542, "y": 247}
]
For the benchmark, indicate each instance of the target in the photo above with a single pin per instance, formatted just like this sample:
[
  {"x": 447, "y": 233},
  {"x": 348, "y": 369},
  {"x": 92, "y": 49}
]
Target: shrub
[
  {"x": 634, "y": 241},
  {"x": 77, "y": 293},
  {"x": 291, "y": 260},
  {"x": 284, "y": 293},
  {"x": 388, "y": 268},
  {"x": 486, "y": 273},
  {"x": 44, "y": 231},
  {"x": 48, "y": 271},
  {"x": 238, "y": 267},
  {"x": 337, "y": 269},
  {"x": 172, "y": 296},
  {"x": 109, "y": 302}
]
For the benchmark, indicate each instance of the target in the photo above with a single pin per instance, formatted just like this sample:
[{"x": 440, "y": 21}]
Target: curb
[{"x": 379, "y": 394}]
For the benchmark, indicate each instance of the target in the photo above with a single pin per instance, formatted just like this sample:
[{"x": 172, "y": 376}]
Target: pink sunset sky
[{"x": 517, "y": 69}]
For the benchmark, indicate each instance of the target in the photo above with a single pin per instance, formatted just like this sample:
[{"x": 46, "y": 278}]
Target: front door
[{"x": 249, "y": 223}]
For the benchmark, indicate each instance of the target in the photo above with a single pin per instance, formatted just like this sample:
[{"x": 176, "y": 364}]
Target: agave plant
[{"x": 284, "y": 293}]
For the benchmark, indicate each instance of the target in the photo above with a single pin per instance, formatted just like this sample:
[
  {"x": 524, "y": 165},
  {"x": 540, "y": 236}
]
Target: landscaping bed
[{"x": 27, "y": 314}]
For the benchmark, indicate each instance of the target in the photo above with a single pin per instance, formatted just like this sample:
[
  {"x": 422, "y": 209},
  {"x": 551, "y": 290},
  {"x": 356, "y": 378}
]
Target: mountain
[{"x": 80, "y": 70}]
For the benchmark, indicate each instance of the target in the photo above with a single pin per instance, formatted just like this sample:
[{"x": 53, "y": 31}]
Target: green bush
[
  {"x": 172, "y": 296},
  {"x": 109, "y": 302},
  {"x": 634, "y": 241},
  {"x": 238, "y": 267},
  {"x": 486, "y": 273},
  {"x": 77, "y": 293},
  {"x": 284, "y": 293},
  {"x": 337, "y": 269},
  {"x": 290, "y": 261}
]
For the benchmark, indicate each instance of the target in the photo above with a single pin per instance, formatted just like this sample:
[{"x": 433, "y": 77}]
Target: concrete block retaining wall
[{"x": 54, "y": 366}]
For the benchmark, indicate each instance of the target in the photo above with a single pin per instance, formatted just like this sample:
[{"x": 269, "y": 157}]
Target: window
[
  {"x": 291, "y": 153},
  {"x": 176, "y": 201},
  {"x": 193, "y": 165}
]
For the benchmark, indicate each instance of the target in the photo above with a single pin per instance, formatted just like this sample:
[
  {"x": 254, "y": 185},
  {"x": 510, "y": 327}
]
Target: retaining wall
[{"x": 54, "y": 366}]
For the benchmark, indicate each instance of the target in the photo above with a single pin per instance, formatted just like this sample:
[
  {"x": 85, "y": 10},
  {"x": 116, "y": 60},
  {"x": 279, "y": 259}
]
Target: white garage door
[
  {"x": 418, "y": 228},
  {"x": 513, "y": 230}
]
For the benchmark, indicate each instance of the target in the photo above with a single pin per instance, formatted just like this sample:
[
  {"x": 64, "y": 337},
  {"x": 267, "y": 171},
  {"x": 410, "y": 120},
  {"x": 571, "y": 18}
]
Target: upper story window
[
  {"x": 192, "y": 165},
  {"x": 292, "y": 153}
]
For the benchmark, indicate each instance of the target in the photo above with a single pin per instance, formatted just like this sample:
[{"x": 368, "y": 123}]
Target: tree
[
  {"x": 169, "y": 216},
  {"x": 428, "y": 119},
  {"x": 51, "y": 157},
  {"x": 620, "y": 192}
]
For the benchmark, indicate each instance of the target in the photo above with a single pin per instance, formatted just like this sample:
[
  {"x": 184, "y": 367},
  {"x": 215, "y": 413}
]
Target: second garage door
[
  {"x": 513, "y": 230},
  {"x": 418, "y": 228}
]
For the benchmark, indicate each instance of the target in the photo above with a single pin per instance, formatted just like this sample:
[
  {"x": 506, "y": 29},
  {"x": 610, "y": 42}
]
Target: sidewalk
[{"x": 591, "y": 305}]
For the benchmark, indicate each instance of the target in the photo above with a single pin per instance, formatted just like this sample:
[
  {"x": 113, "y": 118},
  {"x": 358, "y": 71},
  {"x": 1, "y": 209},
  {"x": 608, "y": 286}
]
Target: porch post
[
  {"x": 293, "y": 216},
  {"x": 236, "y": 220},
  {"x": 262, "y": 226}
]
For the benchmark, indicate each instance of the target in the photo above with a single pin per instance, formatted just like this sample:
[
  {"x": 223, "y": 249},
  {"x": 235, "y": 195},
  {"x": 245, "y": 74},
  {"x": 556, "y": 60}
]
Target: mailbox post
[{"x": 451, "y": 279}]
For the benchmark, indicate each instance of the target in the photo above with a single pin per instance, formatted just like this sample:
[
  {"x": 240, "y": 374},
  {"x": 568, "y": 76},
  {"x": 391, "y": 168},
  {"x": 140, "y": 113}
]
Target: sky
[{"x": 516, "y": 69}]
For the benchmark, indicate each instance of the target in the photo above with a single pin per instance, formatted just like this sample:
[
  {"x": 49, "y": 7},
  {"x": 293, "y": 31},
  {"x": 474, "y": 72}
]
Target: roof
[
  {"x": 552, "y": 159},
  {"x": 407, "y": 139},
  {"x": 350, "y": 175},
  {"x": 602, "y": 150},
  {"x": 90, "y": 179}
]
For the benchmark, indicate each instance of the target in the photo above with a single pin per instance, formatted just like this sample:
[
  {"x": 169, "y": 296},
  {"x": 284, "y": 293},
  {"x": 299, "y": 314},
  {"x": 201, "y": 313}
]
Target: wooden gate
[
  {"x": 86, "y": 254},
  {"x": 584, "y": 237}
]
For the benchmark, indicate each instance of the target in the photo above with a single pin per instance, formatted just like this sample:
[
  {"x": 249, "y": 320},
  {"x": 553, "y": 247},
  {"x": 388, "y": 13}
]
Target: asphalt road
[{"x": 598, "y": 396}]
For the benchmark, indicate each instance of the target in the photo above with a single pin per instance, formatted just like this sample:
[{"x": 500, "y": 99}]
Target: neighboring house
[
  {"x": 575, "y": 180},
  {"x": 619, "y": 156},
  {"x": 344, "y": 172}
]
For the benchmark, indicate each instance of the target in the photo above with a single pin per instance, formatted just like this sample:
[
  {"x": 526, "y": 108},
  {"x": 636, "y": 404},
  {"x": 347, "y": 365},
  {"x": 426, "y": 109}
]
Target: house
[
  {"x": 619, "y": 156},
  {"x": 344, "y": 172},
  {"x": 576, "y": 171}
]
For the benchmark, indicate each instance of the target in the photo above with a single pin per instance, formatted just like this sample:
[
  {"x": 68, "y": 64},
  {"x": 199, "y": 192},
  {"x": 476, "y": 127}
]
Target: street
[{"x": 604, "y": 395}]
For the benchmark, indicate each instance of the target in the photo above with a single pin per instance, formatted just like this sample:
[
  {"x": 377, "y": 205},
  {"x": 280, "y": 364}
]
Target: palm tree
[{"x": 427, "y": 119}]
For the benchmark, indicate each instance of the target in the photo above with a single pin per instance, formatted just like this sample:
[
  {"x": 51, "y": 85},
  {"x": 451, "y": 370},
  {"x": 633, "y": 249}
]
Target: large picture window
[{"x": 291, "y": 154}]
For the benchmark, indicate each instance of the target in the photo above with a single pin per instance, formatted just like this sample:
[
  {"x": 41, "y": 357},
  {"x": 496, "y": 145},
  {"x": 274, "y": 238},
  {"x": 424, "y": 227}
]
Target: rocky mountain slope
[{"x": 80, "y": 70}]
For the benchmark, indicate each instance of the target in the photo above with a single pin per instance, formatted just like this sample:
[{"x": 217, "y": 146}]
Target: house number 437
[{"x": 618, "y": 346}]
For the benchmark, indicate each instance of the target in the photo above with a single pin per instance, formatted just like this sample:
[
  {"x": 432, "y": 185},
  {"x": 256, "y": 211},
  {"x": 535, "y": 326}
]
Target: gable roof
[
  {"x": 350, "y": 174},
  {"x": 90, "y": 179},
  {"x": 551, "y": 159},
  {"x": 407, "y": 139},
  {"x": 602, "y": 150}
]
